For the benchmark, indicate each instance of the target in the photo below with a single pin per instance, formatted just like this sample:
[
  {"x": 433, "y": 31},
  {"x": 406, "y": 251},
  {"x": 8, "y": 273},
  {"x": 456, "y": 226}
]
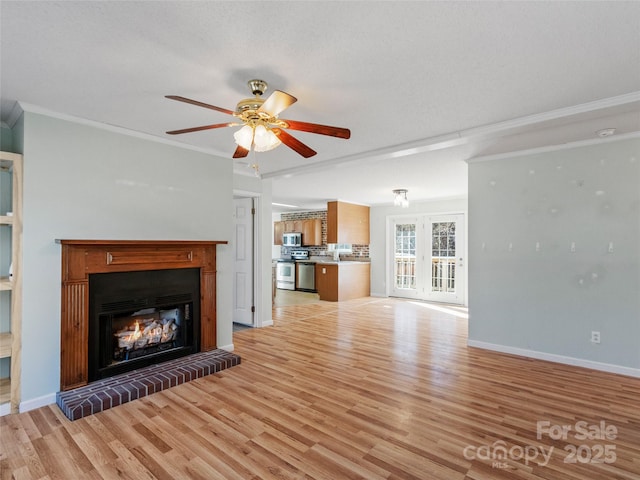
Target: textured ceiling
[{"x": 400, "y": 75}]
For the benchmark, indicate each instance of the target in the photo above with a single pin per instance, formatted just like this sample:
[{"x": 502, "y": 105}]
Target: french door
[{"x": 427, "y": 258}]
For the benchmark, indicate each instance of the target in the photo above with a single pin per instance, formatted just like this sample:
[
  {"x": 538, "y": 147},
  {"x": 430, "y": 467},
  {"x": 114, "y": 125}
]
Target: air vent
[
  {"x": 124, "y": 305},
  {"x": 173, "y": 299}
]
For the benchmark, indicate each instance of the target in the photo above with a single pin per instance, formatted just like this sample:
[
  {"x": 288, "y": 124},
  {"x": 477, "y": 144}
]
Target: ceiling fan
[{"x": 261, "y": 129}]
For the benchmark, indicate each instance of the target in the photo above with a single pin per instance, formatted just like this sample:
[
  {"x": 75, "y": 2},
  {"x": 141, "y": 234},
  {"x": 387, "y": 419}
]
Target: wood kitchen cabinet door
[
  {"x": 292, "y": 226},
  {"x": 327, "y": 282},
  {"x": 347, "y": 223},
  {"x": 343, "y": 281},
  {"x": 312, "y": 232},
  {"x": 278, "y": 230}
]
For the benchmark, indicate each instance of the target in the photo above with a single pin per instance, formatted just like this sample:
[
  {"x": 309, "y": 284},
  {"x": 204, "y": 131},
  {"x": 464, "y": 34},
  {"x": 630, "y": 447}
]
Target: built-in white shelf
[
  {"x": 5, "y": 345},
  {"x": 10, "y": 342},
  {"x": 5, "y": 284}
]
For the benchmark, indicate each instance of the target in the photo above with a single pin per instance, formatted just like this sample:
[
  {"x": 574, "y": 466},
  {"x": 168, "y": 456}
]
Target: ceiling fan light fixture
[
  {"x": 264, "y": 139},
  {"x": 244, "y": 137},
  {"x": 400, "y": 197},
  {"x": 261, "y": 129}
]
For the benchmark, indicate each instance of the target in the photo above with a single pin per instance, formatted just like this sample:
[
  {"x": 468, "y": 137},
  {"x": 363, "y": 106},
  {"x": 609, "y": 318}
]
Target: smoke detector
[{"x": 606, "y": 132}]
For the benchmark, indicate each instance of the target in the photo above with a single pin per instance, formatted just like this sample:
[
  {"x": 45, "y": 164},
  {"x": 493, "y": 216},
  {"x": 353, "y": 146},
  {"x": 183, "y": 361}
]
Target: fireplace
[
  {"x": 89, "y": 316},
  {"x": 141, "y": 318}
]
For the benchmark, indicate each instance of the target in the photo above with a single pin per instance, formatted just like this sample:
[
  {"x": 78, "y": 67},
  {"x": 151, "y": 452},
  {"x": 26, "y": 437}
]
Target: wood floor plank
[
  {"x": 20, "y": 455},
  {"x": 371, "y": 388}
]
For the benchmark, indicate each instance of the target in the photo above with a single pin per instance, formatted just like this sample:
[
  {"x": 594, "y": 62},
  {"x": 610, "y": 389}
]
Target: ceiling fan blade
[
  {"x": 294, "y": 144},
  {"x": 277, "y": 102},
  {"x": 321, "y": 129},
  {"x": 199, "y": 104},
  {"x": 204, "y": 127},
  {"x": 240, "y": 152}
]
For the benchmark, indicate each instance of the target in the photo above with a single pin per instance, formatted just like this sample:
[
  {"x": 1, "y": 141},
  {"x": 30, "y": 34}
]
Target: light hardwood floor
[
  {"x": 370, "y": 388},
  {"x": 285, "y": 298}
]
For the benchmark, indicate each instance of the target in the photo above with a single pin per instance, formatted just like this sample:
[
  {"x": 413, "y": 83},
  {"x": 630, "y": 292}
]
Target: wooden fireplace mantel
[{"x": 80, "y": 258}]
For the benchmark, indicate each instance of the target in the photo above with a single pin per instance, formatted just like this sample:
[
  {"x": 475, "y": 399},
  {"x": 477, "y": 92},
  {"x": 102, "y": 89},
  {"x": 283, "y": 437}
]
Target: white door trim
[{"x": 257, "y": 254}]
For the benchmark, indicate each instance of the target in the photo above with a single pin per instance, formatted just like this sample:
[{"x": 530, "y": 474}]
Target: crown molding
[
  {"x": 559, "y": 113},
  {"x": 554, "y": 148},
  {"x": 30, "y": 108},
  {"x": 14, "y": 116}
]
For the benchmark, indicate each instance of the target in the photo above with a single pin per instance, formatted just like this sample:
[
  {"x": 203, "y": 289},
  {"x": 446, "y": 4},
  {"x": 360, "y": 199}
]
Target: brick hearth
[{"x": 113, "y": 391}]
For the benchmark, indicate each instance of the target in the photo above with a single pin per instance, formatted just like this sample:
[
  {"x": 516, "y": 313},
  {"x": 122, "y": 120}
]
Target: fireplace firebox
[{"x": 140, "y": 318}]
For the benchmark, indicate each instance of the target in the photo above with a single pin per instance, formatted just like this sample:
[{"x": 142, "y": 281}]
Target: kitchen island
[{"x": 343, "y": 280}]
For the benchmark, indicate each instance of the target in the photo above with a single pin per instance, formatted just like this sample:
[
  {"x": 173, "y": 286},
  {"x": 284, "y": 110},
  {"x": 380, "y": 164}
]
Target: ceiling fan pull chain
[{"x": 253, "y": 164}]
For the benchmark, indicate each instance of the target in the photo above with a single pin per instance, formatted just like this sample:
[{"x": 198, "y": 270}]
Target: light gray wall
[
  {"x": 378, "y": 229},
  {"x": 6, "y": 138},
  {"x": 550, "y": 300},
  {"x": 83, "y": 182}
]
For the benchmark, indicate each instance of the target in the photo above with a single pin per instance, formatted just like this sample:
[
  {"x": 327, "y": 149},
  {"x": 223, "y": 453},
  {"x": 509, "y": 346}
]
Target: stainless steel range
[
  {"x": 300, "y": 254},
  {"x": 286, "y": 271}
]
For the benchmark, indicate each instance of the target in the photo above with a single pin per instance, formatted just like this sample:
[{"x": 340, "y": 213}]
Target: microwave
[{"x": 292, "y": 239}]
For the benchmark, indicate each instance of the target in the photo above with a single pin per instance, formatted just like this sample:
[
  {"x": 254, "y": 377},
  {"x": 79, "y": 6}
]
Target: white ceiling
[{"x": 423, "y": 86}]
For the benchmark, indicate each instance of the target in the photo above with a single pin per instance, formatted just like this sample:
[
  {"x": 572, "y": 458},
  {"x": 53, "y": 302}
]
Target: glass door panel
[
  {"x": 446, "y": 284},
  {"x": 443, "y": 253},
  {"x": 405, "y": 258},
  {"x": 404, "y": 282}
]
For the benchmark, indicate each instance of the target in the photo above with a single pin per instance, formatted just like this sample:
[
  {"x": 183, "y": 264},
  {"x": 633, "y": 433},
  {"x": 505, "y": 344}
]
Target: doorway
[{"x": 427, "y": 258}]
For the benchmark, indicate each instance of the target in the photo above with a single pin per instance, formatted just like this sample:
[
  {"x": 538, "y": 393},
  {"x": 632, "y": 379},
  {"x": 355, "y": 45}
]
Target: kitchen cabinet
[
  {"x": 292, "y": 226},
  {"x": 278, "y": 230},
  {"x": 11, "y": 284},
  {"x": 311, "y": 232},
  {"x": 341, "y": 281},
  {"x": 347, "y": 223}
]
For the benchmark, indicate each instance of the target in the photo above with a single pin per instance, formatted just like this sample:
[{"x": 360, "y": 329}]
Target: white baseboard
[
  {"x": 551, "y": 357},
  {"x": 378, "y": 295},
  {"x": 37, "y": 402},
  {"x": 228, "y": 348},
  {"x": 5, "y": 409},
  {"x": 268, "y": 323}
]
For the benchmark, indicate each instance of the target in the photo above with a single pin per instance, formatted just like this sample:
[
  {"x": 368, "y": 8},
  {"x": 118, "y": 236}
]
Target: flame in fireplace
[
  {"x": 153, "y": 331},
  {"x": 136, "y": 333},
  {"x": 130, "y": 339}
]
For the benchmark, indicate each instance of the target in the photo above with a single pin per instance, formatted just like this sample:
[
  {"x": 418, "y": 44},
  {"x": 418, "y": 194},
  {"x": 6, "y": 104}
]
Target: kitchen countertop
[
  {"x": 341, "y": 262},
  {"x": 322, "y": 261}
]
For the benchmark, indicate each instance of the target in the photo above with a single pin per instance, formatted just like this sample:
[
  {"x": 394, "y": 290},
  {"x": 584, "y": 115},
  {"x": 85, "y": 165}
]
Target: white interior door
[
  {"x": 427, "y": 258},
  {"x": 243, "y": 292}
]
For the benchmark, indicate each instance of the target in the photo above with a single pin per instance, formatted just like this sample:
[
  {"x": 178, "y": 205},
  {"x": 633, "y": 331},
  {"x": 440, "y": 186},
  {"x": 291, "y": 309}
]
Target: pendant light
[{"x": 400, "y": 197}]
